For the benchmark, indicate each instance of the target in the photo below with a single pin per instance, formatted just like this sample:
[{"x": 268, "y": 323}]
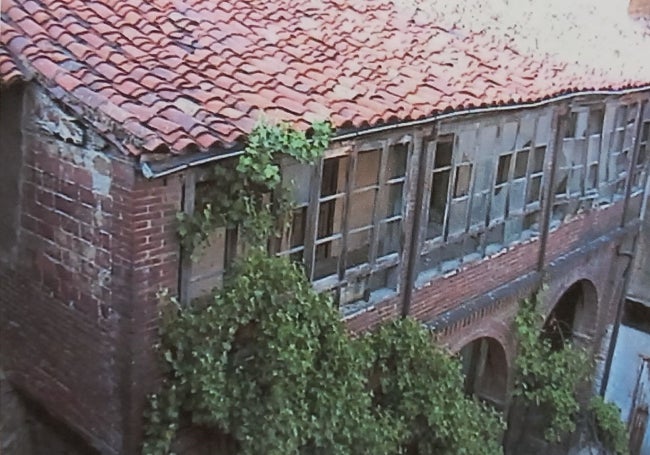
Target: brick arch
[
  {"x": 486, "y": 369},
  {"x": 574, "y": 313}
]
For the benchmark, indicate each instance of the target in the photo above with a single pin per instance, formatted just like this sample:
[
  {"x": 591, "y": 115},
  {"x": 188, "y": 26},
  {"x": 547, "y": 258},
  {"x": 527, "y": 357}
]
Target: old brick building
[{"x": 464, "y": 172}]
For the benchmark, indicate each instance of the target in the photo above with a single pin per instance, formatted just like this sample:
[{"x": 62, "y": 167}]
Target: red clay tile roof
[{"x": 185, "y": 75}]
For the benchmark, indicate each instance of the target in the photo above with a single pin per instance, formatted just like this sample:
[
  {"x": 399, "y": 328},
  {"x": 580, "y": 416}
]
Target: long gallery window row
[{"x": 481, "y": 188}]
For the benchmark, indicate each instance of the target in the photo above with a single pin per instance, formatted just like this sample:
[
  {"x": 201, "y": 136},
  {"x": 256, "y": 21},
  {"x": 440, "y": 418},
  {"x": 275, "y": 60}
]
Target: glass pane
[
  {"x": 498, "y": 207},
  {"x": 509, "y": 137},
  {"x": 526, "y": 129},
  {"x": 393, "y": 206},
  {"x": 326, "y": 259},
  {"x": 543, "y": 129},
  {"x": 297, "y": 177},
  {"x": 538, "y": 159},
  {"x": 361, "y": 208},
  {"x": 575, "y": 179},
  {"x": 517, "y": 195},
  {"x": 438, "y": 202},
  {"x": 367, "y": 172},
  {"x": 534, "y": 189},
  {"x": 389, "y": 237},
  {"x": 333, "y": 179},
  {"x": 592, "y": 177},
  {"x": 330, "y": 215},
  {"x": 298, "y": 222},
  {"x": 358, "y": 247},
  {"x": 458, "y": 216},
  {"x": 479, "y": 209},
  {"x": 444, "y": 151},
  {"x": 504, "y": 168},
  {"x": 396, "y": 164},
  {"x": 463, "y": 176},
  {"x": 596, "y": 117},
  {"x": 521, "y": 163}
]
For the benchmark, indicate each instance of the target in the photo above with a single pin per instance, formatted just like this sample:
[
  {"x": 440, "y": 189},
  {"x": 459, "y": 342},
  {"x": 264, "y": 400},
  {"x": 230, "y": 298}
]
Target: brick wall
[{"x": 78, "y": 298}]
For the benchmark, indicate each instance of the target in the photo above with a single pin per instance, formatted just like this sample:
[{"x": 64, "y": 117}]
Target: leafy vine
[
  {"x": 249, "y": 194},
  {"x": 267, "y": 361},
  {"x": 548, "y": 377}
]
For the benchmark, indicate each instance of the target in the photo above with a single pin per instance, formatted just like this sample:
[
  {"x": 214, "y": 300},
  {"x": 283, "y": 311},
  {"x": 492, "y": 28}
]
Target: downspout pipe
[
  {"x": 153, "y": 170},
  {"x": 627, "y": 273}
]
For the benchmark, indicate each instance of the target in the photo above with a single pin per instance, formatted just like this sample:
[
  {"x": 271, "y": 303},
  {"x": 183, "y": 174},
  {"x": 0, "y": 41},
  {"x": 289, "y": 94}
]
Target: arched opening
[
  {"x": 486, "y": 371},
  {"x": 573, "y": 316}
]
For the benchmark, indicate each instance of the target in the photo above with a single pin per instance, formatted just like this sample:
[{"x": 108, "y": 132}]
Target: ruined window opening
[
  {"x": 486, "y": 189},
  {"x": 215, "y": 257},
  {"x": 440, "y": 186},
  {"x": 578, "y": 171},
  {"x": 354, "y": 218}
]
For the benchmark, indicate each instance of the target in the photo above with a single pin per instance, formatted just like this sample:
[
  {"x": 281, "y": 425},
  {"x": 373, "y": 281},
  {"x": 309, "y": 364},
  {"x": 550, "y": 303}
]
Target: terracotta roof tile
[{"x": 186, "y": 76}]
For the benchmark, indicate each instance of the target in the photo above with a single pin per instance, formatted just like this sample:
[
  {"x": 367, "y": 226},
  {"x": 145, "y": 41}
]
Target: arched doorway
[
  {"x": 573, "y": 317},
  {"x": 486, "y": 371}
]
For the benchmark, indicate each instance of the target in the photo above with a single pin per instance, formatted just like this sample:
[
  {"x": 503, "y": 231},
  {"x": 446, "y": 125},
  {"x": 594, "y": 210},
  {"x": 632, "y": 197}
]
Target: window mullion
[
  {"x": 311, "y": 225},
  {"x": 379, "y": 197},
  {"x": 349, "y": 179}
]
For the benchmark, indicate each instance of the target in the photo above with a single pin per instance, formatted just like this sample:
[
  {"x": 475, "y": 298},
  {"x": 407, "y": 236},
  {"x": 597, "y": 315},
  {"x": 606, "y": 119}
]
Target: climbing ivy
[
  {"x": 546, "y": 377},
  {"x": 610, "y": 429},
  {"x": 421, "y": 387},
  {"x": 267, "y": 361},
  {"x": 249, "y": 194}
]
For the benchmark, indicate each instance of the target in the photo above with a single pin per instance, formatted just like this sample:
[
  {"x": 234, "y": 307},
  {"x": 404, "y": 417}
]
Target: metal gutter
[{"x": 153, "y": 170}]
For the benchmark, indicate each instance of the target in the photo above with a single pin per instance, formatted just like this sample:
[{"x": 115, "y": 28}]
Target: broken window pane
[
  {"x": 297, "y": 177},
  {"x": 543, "y": 129},
  {"x": 596, "y": 118},
  {"x": 458, "y": 216},
  {"x": 327, "y": 257},
  {"x": 503, "y": 170},
  {"x": 358, "y": 246},
  {"x": 438, "y": 202},
  {"x": 534, "y": 189},
  {"x": 498, "y": 207},
  {"x": 537, "y": 164},
  {"x": 521, "y": 163},
  {"x": 526, "y": 131},
  {"x": 394, "y": 205},
  {"x": 361, "y": 208},
  {"x": 298, "y": 222},
  {"x": 444, "y": 151},
  {"x": 397, "y": 158},
  {"x": 575, "y": 179},
  {"x": 581, "y": 124},
  {"x": 517, "y": 195},
  {"x": 513, "y": 228},
  {"x": 333, "y": 179},
  {"x": 389, "y": 237},
  {"x": 330, "y": 215},
  {"x": 508, "y": 136},
  {"x": 571, "y": 125},
  {"x": 463, "y": 176},
  {"x": 367, "y": 172},
  {"x": 479, "y": 208}
]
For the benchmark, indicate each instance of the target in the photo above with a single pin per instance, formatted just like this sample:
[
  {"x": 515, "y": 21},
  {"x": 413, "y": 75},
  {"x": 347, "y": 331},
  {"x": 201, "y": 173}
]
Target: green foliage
[
  {"x": 267, "y": 361},
  {"x": 548, "y": 377},
  {"x": 609, "y": 426},
  {"x": 249, "y": 194},
  {"x": 421, "y": 389}
]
